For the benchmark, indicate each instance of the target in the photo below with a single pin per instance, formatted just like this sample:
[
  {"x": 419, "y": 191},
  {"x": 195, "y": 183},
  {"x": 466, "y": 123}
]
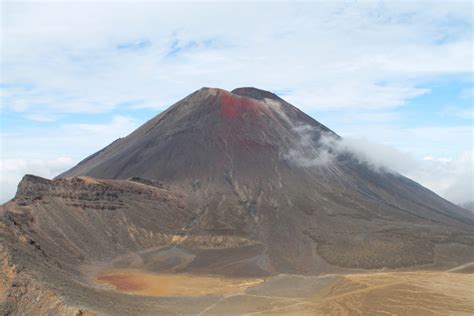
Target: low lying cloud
[
  {"x": 452, "y": 178},
  {"x": 314, "y": 149},
  {"x": 13, "y": 171},
  {"x": 377, "y": 156},
  {"x": 307, "y": 152},
  {"x": 38, "y": 154}
]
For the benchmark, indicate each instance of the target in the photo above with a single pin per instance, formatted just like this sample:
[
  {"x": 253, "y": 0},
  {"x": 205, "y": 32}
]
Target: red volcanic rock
[{"x": 234, "y": 106}]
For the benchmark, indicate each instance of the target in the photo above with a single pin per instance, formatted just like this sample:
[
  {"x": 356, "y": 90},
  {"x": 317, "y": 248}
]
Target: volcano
[{"x": 236, "y": 184}]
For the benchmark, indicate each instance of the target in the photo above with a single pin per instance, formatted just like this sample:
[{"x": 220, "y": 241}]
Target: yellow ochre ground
[{"x": 393, "y": 293}]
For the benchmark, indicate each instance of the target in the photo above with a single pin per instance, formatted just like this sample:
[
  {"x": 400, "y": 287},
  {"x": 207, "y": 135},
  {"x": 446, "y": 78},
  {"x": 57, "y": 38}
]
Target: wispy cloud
[
  {"x": 12, "y": 170},
  {"x": 40, "y": 117},
  {"x": 460, "y": 112},
  {"x": 134, "y": 45},
  {"x": 75, "y": 140},
  {"x": 326, "y": 54},
  {"x": 450, "y": 177},
  {"x": 36, "y": 151},
  {"x": 179, "y": 48}
]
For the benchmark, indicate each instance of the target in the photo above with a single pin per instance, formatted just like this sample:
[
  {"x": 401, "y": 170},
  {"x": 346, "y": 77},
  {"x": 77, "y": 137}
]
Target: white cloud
[
  {"x": 13, "y": 170},
  {"x": 118, "y": 123},
  {"x": 379, "y": 156},
  {"x": 430, "y": 140},
  {"x": 460, "y": 112},
  {"x": 23, "y": 153},
  {"x": 326, "y": 54},
  {"x": 75, "y": 140},
  {"x": 452, "y": 178},
  {"x": 363, "y": 95},
  {"x": 40, "y": 117},
  {"x": 306, "y": 153}
]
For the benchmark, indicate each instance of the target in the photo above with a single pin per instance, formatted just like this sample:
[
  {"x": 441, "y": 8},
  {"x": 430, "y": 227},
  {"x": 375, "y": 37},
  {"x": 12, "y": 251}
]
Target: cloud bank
[
  {"x": 13, "y": 171},
  {"x": 87, "y": 57},
  {"x": 72, "y": 138},
  {"x": 452, "y": 179}
]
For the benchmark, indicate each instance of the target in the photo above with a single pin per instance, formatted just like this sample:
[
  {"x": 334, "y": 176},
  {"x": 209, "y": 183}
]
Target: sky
[{"x": 394, "y": 78}]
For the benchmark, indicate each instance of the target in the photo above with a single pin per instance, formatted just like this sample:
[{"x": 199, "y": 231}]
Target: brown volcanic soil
[
  {"x": 407, "y": 293},
  {"x": 399, "y": 293},
  {"x": 223, "y": 199},
  {"x": 153, "y": 284},
  {"x": 57, "y": 236},
  {"x": 414, "y": 293}
]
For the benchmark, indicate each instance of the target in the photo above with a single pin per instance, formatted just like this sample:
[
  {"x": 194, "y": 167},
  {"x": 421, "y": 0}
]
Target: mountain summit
[
  {"x": 234, "y": 184},
  {"x": 210, "y": 132}
]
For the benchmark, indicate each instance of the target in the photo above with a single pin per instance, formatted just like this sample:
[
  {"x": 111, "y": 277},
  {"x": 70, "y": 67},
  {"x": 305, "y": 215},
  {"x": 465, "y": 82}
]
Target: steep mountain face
[
  {"x": 237, "y": 183},
  {"x": 249, "y": 171},
  {"x": 203, "y": 136}
]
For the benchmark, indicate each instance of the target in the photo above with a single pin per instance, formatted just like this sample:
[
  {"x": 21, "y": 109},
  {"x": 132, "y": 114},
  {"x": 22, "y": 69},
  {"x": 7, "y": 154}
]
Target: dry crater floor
[{"x": 375, "y": 293}]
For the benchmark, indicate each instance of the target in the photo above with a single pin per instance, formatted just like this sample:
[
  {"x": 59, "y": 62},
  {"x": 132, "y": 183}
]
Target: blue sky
[{"x": 77, "y": 75}]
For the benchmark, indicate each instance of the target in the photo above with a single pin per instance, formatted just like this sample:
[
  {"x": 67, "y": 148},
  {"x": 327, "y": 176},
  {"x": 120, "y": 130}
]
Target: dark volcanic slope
[
  {"x": 231, "y": 152},
  {"x": 233, "y": 189},
  {"x": 203, "y": 136}
]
